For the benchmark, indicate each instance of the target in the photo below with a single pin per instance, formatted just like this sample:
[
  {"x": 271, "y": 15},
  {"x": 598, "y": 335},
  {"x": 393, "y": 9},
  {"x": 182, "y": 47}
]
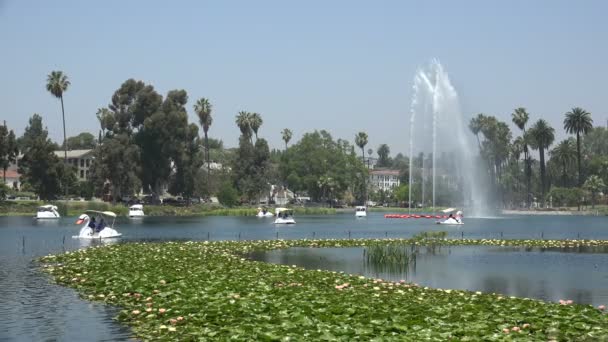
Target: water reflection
[{"x": 547, "y": 274}]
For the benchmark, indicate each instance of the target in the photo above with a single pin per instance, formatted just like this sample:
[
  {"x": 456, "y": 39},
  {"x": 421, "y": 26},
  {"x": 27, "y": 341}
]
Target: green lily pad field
[{"x": 200, "y": 291}]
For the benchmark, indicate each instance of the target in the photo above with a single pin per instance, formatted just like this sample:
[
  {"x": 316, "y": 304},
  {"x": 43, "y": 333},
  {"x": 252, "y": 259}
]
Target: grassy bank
[
  {"x": 209, "y": 291},
  {"x": 72, "y": 208}
]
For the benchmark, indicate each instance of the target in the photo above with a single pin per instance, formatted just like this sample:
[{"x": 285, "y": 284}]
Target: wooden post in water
[
  {"x": 23, "y": 245},
  {"x": 208, "y": 234},
  {"x": 349, "y": 234},
  {"x": 313, "y": 235},
  {"x": 462, "y": 235},
  {"x": 277, "y": 235}
]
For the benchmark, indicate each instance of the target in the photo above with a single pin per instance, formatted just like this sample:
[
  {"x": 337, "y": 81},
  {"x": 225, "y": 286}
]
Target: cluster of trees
[
  {"x": 146, "y": 143},
  {"x": 563, "y": 171}
]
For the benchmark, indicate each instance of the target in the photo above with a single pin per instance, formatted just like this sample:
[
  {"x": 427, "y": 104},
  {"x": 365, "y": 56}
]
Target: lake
[{"x": 35, "y": 309}]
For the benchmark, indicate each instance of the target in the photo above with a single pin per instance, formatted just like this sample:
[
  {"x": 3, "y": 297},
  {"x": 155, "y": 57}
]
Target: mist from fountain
[{"x": 437, "y": 126}]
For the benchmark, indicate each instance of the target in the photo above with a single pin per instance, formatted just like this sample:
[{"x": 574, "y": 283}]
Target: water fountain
[{"x": 437, "y": 126}]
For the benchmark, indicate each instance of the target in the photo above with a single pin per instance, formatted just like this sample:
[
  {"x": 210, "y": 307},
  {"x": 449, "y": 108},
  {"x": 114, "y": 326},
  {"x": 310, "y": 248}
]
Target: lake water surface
[{"x": 35, "y": 309}]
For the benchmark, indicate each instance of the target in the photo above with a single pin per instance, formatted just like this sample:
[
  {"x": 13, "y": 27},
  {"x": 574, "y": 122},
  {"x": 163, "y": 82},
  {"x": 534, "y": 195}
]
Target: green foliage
[
  {"x": 8, "y": 148},
  {"x": 39, "y": 167},
  {"x": 227, "y": 195},
  {"x": 324, "y": 168},
  {"x": 565, "y": 197},
  {"x": 209, "y": 291},
  {"x": 4, "y": 191},
  {"x": 286, "y": 135},
  {"x": 384, "y": 159},
  {"x": 83, "y": 141},
  {"x": 402, "y": 193},
  {"x": 594, "y": 185}
]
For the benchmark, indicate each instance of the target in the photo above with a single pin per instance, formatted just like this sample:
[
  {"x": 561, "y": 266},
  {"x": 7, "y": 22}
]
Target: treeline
[{"x": 567, "y": 173}]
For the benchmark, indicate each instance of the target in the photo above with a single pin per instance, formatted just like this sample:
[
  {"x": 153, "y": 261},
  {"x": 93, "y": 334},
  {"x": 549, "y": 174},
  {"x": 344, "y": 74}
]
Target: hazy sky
[{"x": 344, "y": 66}]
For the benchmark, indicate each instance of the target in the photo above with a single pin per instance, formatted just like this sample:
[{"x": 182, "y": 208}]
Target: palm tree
[
  {"x": 541, "y": 136},
  {"x": 520, "y": 119},
  {"x": 475, "y": 126},
  {"x": 242, "y": 120},
  {"x": 578, "y": 121},
  {"x": 255, "y": 121},
  {"x": 595, "y": 185},
  {"x": 286, "y": 135},
  {"x": 203, "y": 109},
  {"x": 361, "y": 141},
  {"x": 564, "y": 153},
  {"x": 57, "y": 83}
]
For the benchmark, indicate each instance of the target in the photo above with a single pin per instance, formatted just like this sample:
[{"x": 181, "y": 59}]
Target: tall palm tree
[
  {"x": 361, "y": 141},
  {"x": 520, "y": 118},
  {"x": 57, "y": 83},
  {"x": 242, "y": 120},
  {"x": 255, "y": 121},
  {"x": 578, "y": 121},
  {"x": 203, "y": 109},
  {"x": 475, "y": 126},
  {"x": 564, "y": 153},
  {"x": 286, "y": 135},
  {"x": 541, "y": 136}
]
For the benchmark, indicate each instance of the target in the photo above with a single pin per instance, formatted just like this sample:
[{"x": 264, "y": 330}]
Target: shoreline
[{"x": 595, "y": 212}]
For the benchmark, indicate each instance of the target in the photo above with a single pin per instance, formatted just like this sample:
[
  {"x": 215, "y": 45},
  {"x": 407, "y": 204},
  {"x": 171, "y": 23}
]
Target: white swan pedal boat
[
  {"x": 47, "y": 212},
  {"x": 452, "y": 220},
  {"x": 284, "y": 216},
  {"x": 360, "y": 211},
  {"x": 100, "y": 228},
  {"x": 136, "y": 211},
  {"x": 264, "y": 213}
]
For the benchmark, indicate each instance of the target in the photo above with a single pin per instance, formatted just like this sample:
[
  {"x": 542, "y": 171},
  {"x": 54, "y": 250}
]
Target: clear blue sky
[{"x": 344, "y": 66}]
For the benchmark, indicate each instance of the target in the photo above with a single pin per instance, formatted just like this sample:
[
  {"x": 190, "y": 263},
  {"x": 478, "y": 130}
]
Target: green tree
[
  {"x": 40, "y": 168},
  {"x": 594, "y": 185},
  {"x": 57, "y": 83},
  {"x": 203, "y": 109},
  {"x": 564, "y": 153},
  {"x": 578, "y": 121},
  {"x": 188, "y": 161},
  {"x": 8, "y": 149},
  {"x": 228, "y": 195},
  {"x": 383, "y": 155},
  {"x": 361, "y": 141},
  {"x": 475, "y": 126},
  {"x": 541, "y": 136},
  {"x": 244, "y": 124},
  {"x": 83, "y": 141},
  {"x": 255, "y": 121},
  {"x": 520, "y": 118},
  {"x": 286, "y": 135},
  {"x": 324, "y": 167}
]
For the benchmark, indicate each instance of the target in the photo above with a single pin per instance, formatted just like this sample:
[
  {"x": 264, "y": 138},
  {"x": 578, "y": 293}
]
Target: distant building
[
  {"x": 81, "y": 159},
  {"x": 384, "y": 179}
]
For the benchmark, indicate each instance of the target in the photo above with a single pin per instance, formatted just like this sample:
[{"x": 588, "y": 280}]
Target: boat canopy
[
  {"x": 448, "y": 210},
  {"x": 47, "y": 207},
  {"x": 137, "y": 207},
  {"x": 106, "y": 213},
  {"x": 280, "y": 210}
]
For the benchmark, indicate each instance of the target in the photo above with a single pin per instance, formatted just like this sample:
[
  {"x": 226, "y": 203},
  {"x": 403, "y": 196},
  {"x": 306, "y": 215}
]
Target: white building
[
  {"x": 81, "y": 159},
  {"x": 384, "y": 179}
]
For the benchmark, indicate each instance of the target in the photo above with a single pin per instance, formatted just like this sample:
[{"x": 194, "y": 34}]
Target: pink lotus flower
[
  {"x": 173, "y": 321},
  {"x": 515, "y": 329},
  {"x": 562, "y": 302},
  {"x": 149, "y": 305},
  {"x": 156, "y": 291},
  {"x": 402, "y": 281},
  {"x": 526, "y": 325},
  {"x": 569, "y": 301},
  {"x": 149, "y": 310},
  {"x": 149, "y": 299},
  {"x": 161, "y": 311},
  {"x": 180, "y": 318},
  {"x": 163, "y": 282},
  {"x": 506, "y": 330},
  {"x": 136, "y": 312},
  {"x": 601, "y": 307}
]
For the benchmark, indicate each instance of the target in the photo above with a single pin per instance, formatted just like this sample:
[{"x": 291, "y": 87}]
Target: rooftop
[
  {"x": 10, "y": 174},
  {"x": 73, "y": 153},
  {"x": 385, "y": 172}
]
